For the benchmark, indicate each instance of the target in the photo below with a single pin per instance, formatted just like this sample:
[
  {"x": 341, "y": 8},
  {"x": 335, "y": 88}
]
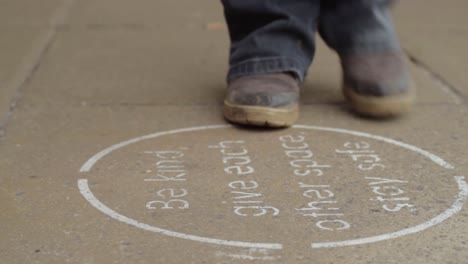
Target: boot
[
  {"x": 377, "y": 85},
  {"x": 267, "y": 100}
]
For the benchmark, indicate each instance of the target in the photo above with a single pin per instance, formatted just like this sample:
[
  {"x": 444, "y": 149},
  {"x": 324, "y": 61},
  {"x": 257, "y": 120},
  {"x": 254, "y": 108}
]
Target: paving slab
[
  {"x": 196, "y": 190},
  {"x": 445, "y": 56},
  {"x": 163, "y": 15},
  {"x": 437, "y": 37},
  {"x": 27, "y": 28},
  {"x": 117, "y": 153},
  {"x": 430, "y": 15},
  {"x": 164, "y": 71},
  {"x": 158, "y": 68},
  {"x": 27, "y": 13},
  {"x": 18, "y": 52}
]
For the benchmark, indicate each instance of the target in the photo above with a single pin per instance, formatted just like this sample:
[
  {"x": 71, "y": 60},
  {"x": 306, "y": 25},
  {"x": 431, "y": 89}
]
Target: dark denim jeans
[{"x": 278, "y": 35}]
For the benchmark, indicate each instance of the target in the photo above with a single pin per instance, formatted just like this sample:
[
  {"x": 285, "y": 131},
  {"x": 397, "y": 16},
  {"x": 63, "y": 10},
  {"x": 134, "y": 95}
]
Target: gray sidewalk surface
[{"x": 113, "y": 148}]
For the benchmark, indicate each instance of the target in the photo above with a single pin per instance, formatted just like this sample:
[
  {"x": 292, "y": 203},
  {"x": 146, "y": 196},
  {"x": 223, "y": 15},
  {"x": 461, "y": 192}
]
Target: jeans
[{"x": 270, "y": 36}]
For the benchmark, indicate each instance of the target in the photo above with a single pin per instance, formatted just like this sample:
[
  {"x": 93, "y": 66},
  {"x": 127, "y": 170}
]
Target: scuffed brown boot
[
  {"x": 269, "y": 100},
  {"x": 377, "y": 85}
]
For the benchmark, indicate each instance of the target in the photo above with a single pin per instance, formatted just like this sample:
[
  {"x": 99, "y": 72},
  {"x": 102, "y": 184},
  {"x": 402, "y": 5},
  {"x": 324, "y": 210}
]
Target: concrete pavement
[{"x": 114, "y": 149}]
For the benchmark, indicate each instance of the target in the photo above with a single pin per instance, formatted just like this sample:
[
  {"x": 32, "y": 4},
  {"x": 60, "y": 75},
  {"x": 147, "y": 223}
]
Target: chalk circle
[{"x": 454, "y": 208}]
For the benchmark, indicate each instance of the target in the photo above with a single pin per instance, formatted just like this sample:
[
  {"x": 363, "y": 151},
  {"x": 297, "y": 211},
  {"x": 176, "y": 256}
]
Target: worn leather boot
[
  {"x": 268, "y": 100},
  {"x": 377, "y": 85}
]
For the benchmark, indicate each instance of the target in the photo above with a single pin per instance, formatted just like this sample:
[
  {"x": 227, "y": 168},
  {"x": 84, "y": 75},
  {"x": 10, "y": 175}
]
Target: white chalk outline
[
  {"x": 456, "y": 206},
  {"x": 90, "y": 163},
  {"x": 439, "y": 161},
  {"x": 86, "y": 192}
]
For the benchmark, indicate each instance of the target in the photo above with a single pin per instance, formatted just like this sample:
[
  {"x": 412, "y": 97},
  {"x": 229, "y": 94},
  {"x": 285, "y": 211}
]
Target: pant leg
[
  {"x": 271, "y": 35},
  {"x": 356, "y": 26}
]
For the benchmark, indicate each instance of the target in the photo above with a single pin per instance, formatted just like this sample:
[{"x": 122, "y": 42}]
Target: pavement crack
[
  {"x": 32, "y": 61},
  {"x": 444, "y": 85}
]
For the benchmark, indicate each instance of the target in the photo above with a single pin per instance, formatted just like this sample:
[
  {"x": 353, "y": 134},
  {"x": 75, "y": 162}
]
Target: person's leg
[
  {"x": 272, "y": 46},
  {"x": 269, "y": 36},
  {"x": 375, "y": 75}
]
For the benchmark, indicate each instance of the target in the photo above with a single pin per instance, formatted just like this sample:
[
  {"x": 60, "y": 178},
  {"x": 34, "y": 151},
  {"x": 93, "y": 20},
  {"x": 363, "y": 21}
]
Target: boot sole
[
  {"x": 261, "y": 116},
  {"x": 380, "y": 107}
]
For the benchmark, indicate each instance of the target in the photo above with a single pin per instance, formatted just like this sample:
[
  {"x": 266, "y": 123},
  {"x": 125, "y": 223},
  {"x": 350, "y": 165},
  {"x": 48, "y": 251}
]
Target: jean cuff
[
  {"x": 375, "y": 47},
  {"x": 267, "y": 65}
]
